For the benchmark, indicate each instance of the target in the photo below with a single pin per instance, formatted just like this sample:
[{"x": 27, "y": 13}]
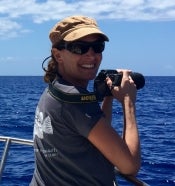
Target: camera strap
[{"x": 70, "y": 97}]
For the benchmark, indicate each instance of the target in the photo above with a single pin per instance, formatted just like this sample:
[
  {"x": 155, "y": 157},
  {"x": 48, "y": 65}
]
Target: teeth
[{"x": 88, "y": 65}]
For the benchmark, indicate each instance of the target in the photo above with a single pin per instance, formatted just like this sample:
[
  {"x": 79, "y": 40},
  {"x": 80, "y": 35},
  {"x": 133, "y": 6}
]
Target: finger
[
  {"x": 122, "y": 70},
  {"x": 126, "y": 73},
  {"x": 114, "y": 88},
  {"x": 130, "y": 79},
  {"x": 110, "y": 85},
  {"x": 108, "y": 81}
]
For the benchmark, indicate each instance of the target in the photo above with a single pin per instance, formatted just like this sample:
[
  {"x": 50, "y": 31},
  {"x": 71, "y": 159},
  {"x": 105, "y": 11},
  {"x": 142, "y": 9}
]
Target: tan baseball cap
[{"x": 73, "y": 28}]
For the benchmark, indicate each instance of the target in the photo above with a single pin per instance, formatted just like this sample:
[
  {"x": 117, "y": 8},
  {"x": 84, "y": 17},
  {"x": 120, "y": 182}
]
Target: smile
[{"x": 88, "y": 66}]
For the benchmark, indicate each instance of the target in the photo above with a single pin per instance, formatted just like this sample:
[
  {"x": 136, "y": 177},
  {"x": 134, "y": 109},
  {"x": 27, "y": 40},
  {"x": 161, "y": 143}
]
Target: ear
[{"x": 57, "y": 55}]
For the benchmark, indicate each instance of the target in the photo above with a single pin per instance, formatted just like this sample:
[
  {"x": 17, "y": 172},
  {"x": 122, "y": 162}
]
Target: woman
[{"x": 74, "y": 143}]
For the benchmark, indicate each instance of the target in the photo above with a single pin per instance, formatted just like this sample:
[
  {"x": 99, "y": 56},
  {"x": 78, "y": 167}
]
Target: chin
[{"x": 91, "y": 77}]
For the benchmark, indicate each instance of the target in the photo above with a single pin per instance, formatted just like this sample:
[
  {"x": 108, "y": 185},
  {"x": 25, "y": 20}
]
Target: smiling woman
[{"x": 86, "y": 147}]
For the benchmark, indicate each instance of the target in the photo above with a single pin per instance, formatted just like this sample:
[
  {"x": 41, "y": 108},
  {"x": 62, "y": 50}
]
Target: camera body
[{"x": 101, "y": 89}]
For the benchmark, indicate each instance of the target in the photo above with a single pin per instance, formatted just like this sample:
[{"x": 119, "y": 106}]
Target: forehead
[{"x": 91, "y": 37}]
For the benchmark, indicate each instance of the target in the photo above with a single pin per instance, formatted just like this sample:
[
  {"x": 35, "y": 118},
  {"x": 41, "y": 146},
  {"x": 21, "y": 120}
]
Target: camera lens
[{"x": 138, "y": 79}]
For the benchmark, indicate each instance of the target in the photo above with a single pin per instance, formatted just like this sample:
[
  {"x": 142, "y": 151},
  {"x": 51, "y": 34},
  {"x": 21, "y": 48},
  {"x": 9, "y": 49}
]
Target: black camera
[{"x": 101, "y": 89}]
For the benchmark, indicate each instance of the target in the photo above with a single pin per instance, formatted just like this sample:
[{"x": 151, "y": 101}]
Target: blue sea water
[{"x": 155, "y": 116}]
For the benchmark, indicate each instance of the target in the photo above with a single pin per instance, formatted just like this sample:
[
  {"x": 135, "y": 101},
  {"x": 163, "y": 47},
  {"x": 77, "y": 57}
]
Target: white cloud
[
  {"x": 12, "y": 11},
  {"x": 7, "y": 59},
  {"x": 10, "y": 28}
]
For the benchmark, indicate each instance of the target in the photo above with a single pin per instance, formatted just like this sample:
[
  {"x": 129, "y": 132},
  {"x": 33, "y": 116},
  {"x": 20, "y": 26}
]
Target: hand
[{"x": 127, "y": 89}]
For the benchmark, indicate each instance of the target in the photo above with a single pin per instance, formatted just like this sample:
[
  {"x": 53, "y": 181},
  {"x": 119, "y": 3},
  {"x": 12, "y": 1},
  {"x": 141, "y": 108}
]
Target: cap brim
[{"x": 82, "y": 32}]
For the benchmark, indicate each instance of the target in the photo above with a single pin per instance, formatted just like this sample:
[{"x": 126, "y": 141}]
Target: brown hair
[{"x": 52, "y": 70}]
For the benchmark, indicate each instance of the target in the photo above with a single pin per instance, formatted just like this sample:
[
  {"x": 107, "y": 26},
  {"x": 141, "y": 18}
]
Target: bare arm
[
  {"x": 107, "y": 108},
  {"x": 124, "y": 153},
  {"x": 130, "y": 130},
  {"x": 127, "y": 98}
]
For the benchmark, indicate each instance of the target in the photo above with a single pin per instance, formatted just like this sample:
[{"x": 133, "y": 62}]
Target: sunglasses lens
[
  {"x": 74, "y": 48},
  {"x": 98, "y": 47},
  {"x": 83, "y": 47}
]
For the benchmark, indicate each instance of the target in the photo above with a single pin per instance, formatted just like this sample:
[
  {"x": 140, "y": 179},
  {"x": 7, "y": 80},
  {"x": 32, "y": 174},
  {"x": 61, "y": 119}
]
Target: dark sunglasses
[{"x": 82, "y": 47}]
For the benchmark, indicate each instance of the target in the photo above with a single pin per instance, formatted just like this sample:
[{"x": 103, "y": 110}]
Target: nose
[{"x": 91, "y": 56}]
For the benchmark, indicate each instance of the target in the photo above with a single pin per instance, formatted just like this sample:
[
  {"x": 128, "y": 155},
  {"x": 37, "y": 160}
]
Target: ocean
[{"x": 155, "y": 110}]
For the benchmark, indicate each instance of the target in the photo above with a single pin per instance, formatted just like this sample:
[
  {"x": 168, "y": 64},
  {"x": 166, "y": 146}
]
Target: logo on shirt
[
  {"x": 88, "y": 116},
  {"x": 42, "y": 125}
]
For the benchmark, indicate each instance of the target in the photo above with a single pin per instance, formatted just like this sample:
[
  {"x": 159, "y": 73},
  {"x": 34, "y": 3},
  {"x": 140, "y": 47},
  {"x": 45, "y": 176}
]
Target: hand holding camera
[{"x": 101, "y": 88}]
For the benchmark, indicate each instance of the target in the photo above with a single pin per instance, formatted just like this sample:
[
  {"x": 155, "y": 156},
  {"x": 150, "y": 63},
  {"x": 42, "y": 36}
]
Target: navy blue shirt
[{"x": 63, "y": 154}]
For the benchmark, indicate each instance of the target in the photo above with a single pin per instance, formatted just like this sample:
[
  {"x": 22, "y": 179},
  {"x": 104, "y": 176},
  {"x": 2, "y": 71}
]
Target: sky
[{"x": 141, "y": 33}]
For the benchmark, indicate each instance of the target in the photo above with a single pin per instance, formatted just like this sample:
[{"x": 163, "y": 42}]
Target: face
[{"x": 78, "y": 69}]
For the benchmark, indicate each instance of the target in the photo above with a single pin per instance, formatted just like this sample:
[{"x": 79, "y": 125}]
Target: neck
[{"x": 78, "y": 83}]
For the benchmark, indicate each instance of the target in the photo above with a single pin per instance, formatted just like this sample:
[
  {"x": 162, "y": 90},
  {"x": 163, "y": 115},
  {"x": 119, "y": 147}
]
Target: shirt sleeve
[{"x": 82, "y": 117}]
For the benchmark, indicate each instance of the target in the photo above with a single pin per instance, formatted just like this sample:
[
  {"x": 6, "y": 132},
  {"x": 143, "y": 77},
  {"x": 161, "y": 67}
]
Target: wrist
[
  {"x": 129, "y": 109},
  {"x": 128, "y": 102},
  {"x": 108, "y": 99},
  {"x": 107, "y": 103}
]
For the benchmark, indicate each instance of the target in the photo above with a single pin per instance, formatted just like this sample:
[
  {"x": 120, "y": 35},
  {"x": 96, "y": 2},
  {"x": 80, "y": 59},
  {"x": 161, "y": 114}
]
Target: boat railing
[{"x": 9, "y": 140}]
